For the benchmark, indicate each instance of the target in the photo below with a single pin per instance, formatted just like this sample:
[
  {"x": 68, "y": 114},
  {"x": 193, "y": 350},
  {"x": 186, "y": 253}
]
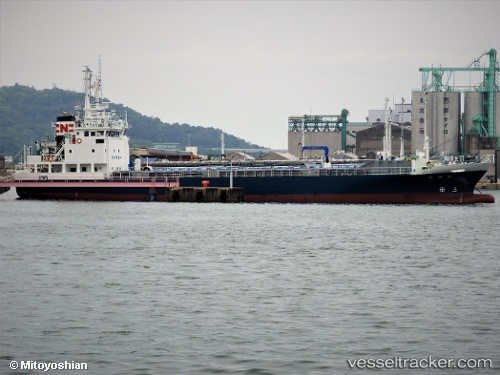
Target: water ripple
[{"x": 141, "y": 288}]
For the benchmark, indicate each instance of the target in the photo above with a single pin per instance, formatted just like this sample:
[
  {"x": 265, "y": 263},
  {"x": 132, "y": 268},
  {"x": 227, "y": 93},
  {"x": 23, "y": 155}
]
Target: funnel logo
[{"x": 65, "y": 128}]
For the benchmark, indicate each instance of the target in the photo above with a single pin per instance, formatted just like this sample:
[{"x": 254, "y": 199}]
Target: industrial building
[
  {"x": 459, "y": 117},
  {"x": 437, "y": 108},
  {"x": 369, "y": 142},
  {"x": 332, "y": 131},
  {"x": 400, "y": 114},
  {"x": 338, "y": 134}
]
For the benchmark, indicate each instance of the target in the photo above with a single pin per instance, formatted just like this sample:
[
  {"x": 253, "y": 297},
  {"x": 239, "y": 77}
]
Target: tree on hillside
[{"x": 27, "y": 114}]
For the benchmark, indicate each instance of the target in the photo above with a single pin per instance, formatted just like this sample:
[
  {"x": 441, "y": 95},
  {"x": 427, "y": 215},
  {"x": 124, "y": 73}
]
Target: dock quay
[{"x": 205, "y": 194}]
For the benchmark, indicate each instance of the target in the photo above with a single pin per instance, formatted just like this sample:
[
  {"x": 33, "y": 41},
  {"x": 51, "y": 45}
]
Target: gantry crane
[{"x": 321, "y": 123}]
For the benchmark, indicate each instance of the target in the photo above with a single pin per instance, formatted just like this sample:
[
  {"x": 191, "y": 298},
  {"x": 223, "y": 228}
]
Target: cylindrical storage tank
[
  {"x": 472, "y": 108},
  {"x": 446, "y": 122},
  {"x": 418, "y": 118}
]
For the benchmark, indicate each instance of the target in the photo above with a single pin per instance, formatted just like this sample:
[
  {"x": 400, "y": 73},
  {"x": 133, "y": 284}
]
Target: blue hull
[{"x": 448, "y": 188}]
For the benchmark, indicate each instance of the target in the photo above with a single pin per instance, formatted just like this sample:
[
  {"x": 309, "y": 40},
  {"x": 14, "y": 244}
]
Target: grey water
[{"x": 186, "y": 288}]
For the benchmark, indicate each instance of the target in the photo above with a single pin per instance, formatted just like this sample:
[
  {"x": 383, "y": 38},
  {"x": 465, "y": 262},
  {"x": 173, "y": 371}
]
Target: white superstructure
[{"x": 88, "y": 145}]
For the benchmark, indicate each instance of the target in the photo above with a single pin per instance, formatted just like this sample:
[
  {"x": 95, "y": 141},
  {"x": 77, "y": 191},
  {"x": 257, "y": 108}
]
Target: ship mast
[
  {"x": 303, "y": 139},
  {"x": 222, "y": 149},
  {"x": 87, "y": 90},
  {"x": 387, "y": 138},
  {"x": 98, "y": 84}
]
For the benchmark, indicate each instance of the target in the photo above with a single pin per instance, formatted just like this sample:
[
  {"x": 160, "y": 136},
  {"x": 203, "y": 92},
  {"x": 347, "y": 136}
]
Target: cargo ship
[{"x": 89, "y": 160}]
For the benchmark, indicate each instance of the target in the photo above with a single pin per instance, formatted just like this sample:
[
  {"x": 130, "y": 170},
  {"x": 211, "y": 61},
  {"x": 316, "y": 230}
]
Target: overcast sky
[{"x": 239, "y": 66}]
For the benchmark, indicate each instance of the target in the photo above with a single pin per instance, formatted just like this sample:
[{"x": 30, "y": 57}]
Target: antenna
[
  {"x": 222, "y": 150},
  {"x": 393, "y": 103},
  {"x": 88, "y": 90},
  {"x": 98, "y": 89}
]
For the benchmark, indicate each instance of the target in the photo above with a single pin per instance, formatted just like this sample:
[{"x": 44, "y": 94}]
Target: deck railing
[
  {"x": 169, "y": 175},
  {"x": 175, "y": 173}
]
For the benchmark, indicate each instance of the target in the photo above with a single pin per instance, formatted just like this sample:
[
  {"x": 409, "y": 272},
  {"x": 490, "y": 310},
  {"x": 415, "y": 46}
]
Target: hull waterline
[{"x": 145, "y": 195}]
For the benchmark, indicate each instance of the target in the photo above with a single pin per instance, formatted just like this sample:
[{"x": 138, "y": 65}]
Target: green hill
[{"x": 26, "y": 115}]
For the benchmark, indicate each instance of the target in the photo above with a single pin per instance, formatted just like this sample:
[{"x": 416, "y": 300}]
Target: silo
[
  {"x": 447, "y": 122},
  {"x": 417, "y": 120},
  {"x": 439, "y": 113},
  {"x": 472, "y": 108}
]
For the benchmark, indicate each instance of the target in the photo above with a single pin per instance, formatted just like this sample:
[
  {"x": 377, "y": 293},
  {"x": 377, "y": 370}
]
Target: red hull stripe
[
  {"x": 438, "y": 198},
  {"x": 103, "y": 197},
  {"x": 430, "y": 198}
]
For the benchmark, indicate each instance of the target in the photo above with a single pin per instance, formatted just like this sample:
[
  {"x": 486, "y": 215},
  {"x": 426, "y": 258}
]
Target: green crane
[
  {"x": 321, "y": 123},
  {"x": 488, "y": 87}
]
